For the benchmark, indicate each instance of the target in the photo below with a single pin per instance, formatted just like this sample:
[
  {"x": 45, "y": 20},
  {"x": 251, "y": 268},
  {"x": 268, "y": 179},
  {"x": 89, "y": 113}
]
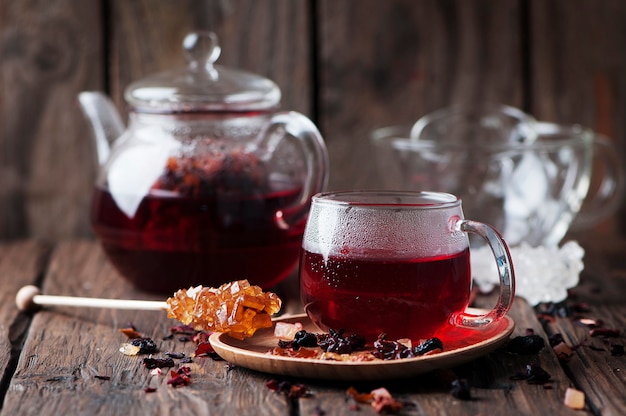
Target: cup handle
[
  {"x": 292, "y": 123},
  {"x": 608, "y": 194},
  {"x": 505, "y": 271}
]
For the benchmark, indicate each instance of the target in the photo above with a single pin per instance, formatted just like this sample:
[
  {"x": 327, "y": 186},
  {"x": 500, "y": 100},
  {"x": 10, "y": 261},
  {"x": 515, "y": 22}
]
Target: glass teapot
[{"x": 208, "y": 183}]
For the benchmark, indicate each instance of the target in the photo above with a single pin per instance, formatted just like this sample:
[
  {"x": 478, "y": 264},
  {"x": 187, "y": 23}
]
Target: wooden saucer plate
[{"x": 252, "y": 353}]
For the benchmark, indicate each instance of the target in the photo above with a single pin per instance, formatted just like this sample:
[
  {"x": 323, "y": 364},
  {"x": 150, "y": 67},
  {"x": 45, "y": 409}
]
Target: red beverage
[
  {"x": 175, "y": 241},
  {"x": 403, "y": 298}
]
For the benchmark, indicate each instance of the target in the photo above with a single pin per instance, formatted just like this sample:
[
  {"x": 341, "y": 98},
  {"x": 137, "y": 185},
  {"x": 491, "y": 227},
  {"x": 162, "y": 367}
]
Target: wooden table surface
[{"x": 61, "y": 361}]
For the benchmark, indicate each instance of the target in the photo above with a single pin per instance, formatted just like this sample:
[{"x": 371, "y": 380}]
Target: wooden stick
[{"x": 30, "y": 297}]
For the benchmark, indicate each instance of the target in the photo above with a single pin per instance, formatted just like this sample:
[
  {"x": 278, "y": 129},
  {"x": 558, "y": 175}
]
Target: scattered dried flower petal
[
  {"x": 461, "y": 389},
  {"x": 130, "y": 332},
  {"x": 536, "y": 375},
  {"x": 556, "y": 339},
  {"x": 293, "y": 391},
  {"x": 205, "y": 349},
  {"x": 525, "y": 345},
  {"x": 359, "y": 397},
  {"x": 152, "y": 363},
  {"x": 146, "y": 345},
  {"x": 179, "y": 378},
  {"x": 604, "y": 332},
  {"x": 382, "y": 401},
  {"x": 176, "y": 355},
  {"x": 183, "y": 330}
]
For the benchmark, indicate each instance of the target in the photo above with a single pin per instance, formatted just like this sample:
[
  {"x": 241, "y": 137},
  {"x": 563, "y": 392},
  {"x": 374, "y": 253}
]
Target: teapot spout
[{"x": 105, "y": 120}]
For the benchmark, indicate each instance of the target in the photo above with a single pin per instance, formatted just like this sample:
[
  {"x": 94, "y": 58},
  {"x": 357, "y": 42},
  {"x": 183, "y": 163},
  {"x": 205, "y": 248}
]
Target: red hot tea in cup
[{"x": 397, "y": 263}]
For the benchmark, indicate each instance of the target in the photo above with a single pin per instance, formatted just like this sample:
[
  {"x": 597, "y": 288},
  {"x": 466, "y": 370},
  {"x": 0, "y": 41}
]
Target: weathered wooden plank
[
  {"x": 577, "y": 69},
  {"x": 385, "y": 63},
  {"x": 595, "y": 368},
  {"x": 66, "y": 349},
  {"x": 49, "y": 51},
  {"x": 21, "y": 263},
  {"x": 271, "y": 39}
]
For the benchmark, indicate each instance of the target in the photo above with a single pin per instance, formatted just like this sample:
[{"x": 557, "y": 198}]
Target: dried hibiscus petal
[
  {"x": 604, "y": 332},
  {"x": 180, "y": 377},
  {"x": 305, "y": 339},
  {"x": 152, "y": 363},
  {"x": 380, "y": 399},
  {"x": 292, "y": 390},
  {"x": 359, "y": 397},
  {"x": 556, "y": 339},
  {"x": 428, "y": 345},
  {"x": 394, "y": 350},
  {"x": 297, "y": 391},
  {"x": 383, "y": 401},
  {"x": 461, "y": 389},
  {"x": 527, "y": 344},
  {"x": 183, "y": 330},
  {"x": 205, "y": 349},
  {"x": 130, "y": 332},
  {"x": 536, "y": 375},
  {"x": 176, "y": 355},
  {"x": 390, "y": 350},
  {"x": 335, "y": 342},
  {"x": 145, "y": 345}
]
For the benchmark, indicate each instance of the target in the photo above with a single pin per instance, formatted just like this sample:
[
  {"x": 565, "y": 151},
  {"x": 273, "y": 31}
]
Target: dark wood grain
[
  {"x": 47, "y": 56},
  {"x": 271, "y": 39},
  {"x": 21, "y": 264},
  {"x": 68, "y": 349},
  {"x": 385, "y": 63},
  {"x": 577, "y": 69},
  {"x": 50, "y": 51},
  {"x": 67, "y": 352},
  {"x": 351, "y": 68}
]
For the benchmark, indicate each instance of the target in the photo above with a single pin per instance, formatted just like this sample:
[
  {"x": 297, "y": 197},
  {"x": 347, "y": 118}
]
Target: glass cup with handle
[
  {"x": 395, "y": 262},
  {"x": 534, "y": 181}
]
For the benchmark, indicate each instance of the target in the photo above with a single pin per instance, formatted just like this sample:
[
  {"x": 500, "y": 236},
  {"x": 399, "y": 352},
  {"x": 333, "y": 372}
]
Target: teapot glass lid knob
[
  {"x": 202, "y": 85},
  {"x": 202, "y": 50}
]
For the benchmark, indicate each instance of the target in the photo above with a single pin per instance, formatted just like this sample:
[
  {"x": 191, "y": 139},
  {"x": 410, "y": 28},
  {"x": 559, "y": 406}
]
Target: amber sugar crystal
[{"x": 237, "y": 308}]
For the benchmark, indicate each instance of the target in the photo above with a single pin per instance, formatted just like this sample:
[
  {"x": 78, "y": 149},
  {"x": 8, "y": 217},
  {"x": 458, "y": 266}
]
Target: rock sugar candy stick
[{"x": 237, "y": 308}]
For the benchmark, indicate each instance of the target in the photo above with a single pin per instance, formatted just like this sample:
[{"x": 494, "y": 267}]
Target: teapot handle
[
  {"x": 298, "y": 126},
  {"x": 604, "y": 199}
]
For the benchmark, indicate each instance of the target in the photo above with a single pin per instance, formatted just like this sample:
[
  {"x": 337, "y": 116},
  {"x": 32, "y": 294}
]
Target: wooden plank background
[{"x": 350, "y": 65}]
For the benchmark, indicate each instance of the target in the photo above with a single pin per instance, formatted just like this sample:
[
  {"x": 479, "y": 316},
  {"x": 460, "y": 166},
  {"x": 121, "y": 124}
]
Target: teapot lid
[{"x": 202, "y": 86}]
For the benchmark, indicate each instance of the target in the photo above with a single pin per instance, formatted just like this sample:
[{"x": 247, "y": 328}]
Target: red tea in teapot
[
  {"x": 209, "y": 182},
  {"x": 192, "y": 231}
]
